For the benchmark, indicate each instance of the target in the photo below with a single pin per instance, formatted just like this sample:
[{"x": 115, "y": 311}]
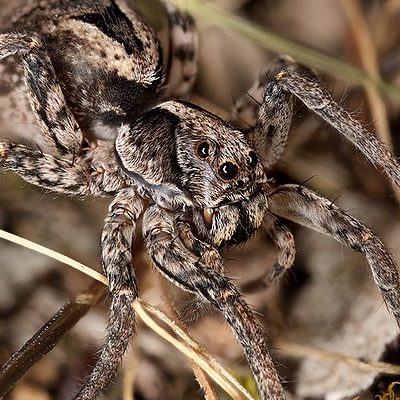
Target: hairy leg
[
  {"x": 210, "y": 258},
  {"x": 283, "y": 239},
  {"x": 271, "y": 98},
  {"x": 177, "y": 264},
  {"x": 116, "y": 243},
  {"x": 266, "y": 111},
  {"x": 319, "y": 100},
  {"x": 183, "y": 53},
  {"x": 56, "y": 121},
  {"x": 57, "y": 174},
  {"x": 307, "y": 208}
]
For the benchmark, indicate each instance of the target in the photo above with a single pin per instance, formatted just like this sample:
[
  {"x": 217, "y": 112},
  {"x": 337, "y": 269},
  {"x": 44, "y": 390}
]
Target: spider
[{"x": 100, "y": 92}]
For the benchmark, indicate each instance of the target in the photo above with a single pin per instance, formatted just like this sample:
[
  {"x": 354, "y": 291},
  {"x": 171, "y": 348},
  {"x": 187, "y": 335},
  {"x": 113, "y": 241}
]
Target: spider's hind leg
[
  {"x": 183, "y": 53},
  {"x": 60, "y": 175}
]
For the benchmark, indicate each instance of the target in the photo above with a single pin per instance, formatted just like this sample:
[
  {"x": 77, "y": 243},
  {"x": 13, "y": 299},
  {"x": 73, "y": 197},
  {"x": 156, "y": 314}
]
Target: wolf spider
[{"x": 94, "y": 74}]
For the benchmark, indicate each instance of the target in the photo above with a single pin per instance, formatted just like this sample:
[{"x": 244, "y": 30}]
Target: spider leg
[
  {"x": 56, "y": 121},
  {"x": 116, "y": 242},
  {"x": 207, "y": 254},
  {"x": 307, "y": 208},
  {"x": 266, "y": 112},
  {"x": 183, "y": 53},
  {"x": 210, "y": 258},
  {"x": 58, "y": 174},
  {"x": 246, "y": 108},
  {"x": 320, "y": 101},
  {"x": 181, "y": 267},
  {"x": 283, "y": 239}
]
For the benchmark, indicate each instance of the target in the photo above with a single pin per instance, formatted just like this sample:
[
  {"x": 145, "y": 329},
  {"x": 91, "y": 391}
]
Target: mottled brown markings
[
  {"x": 96, "y": 83},
  {"x": 115, "y": 24}
]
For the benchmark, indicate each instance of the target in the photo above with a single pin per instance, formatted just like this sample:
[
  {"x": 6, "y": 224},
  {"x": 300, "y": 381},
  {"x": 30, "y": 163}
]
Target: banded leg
[
  {"x": 58, "y": 174},
  {"x": 305, "y": 207},
  {"x": 210, "y": 258},
  {"x": 182, "y": 268},
  {"x": 283, "y": 239},
  {"x": 208, "y": 255},
  {"x": 183, "y": 53},
  {"x": 116, "y": 243},
  {"x": 308, "y": 90},
  {"x": 267, "y": 111},
  {"x": 56, "y": 121}
]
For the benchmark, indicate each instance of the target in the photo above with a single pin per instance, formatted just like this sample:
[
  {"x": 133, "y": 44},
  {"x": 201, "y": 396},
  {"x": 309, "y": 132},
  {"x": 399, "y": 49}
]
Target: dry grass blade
[
  {"x": 54, "y": 255},
  {"x": 369, "y": 61},
  {"x": 270, "y": 41},
  {"x": 46, "y": 338},
  {"x": 300, "y": 351},
  {"x": 367, "y": 53},
  {"x": 202, "y": 378},
  {"x": 189, "y": 347},
  {"x": 192, "y": 350}
]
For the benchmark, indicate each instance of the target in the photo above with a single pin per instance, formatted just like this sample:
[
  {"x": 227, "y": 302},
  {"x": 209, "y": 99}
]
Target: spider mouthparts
[{"x": 208, "y": 214}]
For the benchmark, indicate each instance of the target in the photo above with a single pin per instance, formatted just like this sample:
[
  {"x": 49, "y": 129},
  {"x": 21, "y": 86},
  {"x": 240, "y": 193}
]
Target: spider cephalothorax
[
  {"x": 204, "y": 159},
  {"x": 93, "y": 70}
]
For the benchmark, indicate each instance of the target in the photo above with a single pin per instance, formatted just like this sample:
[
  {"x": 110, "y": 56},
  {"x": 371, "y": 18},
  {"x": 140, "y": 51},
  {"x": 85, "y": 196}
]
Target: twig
[
  {"x": 189, "y": 348},
  {"x": 47, "y": 337},
  {"x": 369, "y": 62},
  {"x": 303, "y": 351},
  {"x": 273, "y": 42}
]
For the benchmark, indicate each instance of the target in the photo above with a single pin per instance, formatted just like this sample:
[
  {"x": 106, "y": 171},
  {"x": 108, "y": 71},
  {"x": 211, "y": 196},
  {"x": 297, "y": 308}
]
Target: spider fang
[{"x": 208, "y": 214}]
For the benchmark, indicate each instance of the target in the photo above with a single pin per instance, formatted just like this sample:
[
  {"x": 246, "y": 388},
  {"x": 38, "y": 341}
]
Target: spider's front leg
[
  {"x": 276, "y": 87},
  {"x": 58, "y": 125},
  {"x": 76, "y": 177},
  {"x": 320, "y": 101},
  {"x": 305, "y": 207},
  {"x": 185, "y": 270},
  {"x": 116, "y": 244},
  {"x": 290, "y": 81}
]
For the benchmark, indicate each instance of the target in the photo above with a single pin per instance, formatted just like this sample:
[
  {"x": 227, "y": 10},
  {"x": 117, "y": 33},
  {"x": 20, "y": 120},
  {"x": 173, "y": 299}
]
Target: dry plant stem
[
  {"x": 270, "y": 41},
  {"x": 54, "y": 255},
  {"x": 130, "y": 369},
  {"x": 201, "y": 377},
  {"x": 47, "y": 337},
  {"x": 190, "y": 349},
  {"x": 367, "y": 54},
  {"x": 303, "y": 351},
  {"x": 222, "y": 377},
  {"x": 368, "y": 58},
  {"x": 193, "y": 349}
]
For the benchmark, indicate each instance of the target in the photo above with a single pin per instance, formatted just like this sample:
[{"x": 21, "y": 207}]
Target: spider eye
[
  {"x": 203, "y": 150},
  {"x": 228, "y": 170},
  {"x": 252, "y": 159}
]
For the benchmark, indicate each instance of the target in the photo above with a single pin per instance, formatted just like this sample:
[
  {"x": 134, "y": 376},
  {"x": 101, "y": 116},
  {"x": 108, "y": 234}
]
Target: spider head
[
  {"x": 222, "y": 173},
  {"x": 179, "y": 150},
  {"x": 218, "y": 167}
]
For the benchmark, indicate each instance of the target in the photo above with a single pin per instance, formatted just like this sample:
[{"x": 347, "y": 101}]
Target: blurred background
[{"x": 326, "y": 321}]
